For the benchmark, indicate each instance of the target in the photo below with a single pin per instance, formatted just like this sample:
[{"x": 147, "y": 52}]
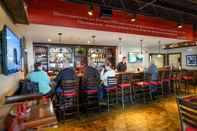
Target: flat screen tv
[
  {"x": 135, "y": 57},
  {"x": 11, "y": 51}
]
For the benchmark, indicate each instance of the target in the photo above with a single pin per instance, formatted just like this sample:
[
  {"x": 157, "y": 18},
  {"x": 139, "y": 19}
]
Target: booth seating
[
  {"x": 111, "y": 92},
  {"x": 89, "y": 94},
  {"x": 187, "y": 113},
  {"x": 66, "y": 103},
  {"x": 125, "y": 89}
]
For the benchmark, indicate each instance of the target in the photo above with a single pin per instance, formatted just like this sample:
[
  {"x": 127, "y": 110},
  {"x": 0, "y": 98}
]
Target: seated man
[
  {"x": 153, "y": 71},
  {"x": 91, "y": 71},
  {"x": 122, "y": 66},
  {"x": 104, "y": 76},
  {"x": 67, "y": 73},
  {"x": 40, "y": 77}
]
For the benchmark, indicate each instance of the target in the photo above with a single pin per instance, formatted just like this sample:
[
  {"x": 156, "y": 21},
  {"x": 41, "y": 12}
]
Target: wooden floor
[{"x": 160, "y": 115}]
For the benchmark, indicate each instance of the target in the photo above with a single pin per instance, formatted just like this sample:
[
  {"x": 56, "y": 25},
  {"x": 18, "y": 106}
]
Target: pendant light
[
  {"x": 159, "y": 49},
  {"x": 60, "y": 37},
  {"x": 120, "y": 48},
  {"x": 141, "y": 51}
]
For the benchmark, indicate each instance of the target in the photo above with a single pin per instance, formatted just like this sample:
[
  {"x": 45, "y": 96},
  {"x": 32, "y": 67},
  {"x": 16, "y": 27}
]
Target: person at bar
[
  {"x": 105, "y": 73},
  {"x": 91, "y": 71},
  {"x": 153, "y": 71},
  {"x": 122, "y": 66},
  {"x": 39, "y": 76},
  {"x": 68, "y": 73}
]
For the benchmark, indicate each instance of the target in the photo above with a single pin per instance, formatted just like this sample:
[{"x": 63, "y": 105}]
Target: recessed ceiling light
[
  {"x": 49, "y": 40},
  {"x": 90, "y": 12},
  {"x": 88, "y": 42},
  {"x": 133, "y": 19},
  {"x": 179, "y": 25}
]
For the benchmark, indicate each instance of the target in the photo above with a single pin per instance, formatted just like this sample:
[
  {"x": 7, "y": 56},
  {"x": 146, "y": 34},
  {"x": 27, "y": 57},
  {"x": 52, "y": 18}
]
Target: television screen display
[
  {"x": 11, "y": 51},
  {"x": 135, "y": 57}
]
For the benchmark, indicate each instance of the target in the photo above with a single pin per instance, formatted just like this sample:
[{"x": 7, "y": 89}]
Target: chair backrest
[
  {"x": 112, "y": 81},
  {"x": 188, "y": 111},
  {"x": 91, "y": 83},
  {"x": 138, "y": 77},
  {"x": 70, "y": 85},
  {"x": 147, "y": 77}
]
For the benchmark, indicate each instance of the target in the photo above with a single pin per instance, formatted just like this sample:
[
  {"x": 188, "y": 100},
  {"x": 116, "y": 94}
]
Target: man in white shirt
[{"x": 105, "y": 73}]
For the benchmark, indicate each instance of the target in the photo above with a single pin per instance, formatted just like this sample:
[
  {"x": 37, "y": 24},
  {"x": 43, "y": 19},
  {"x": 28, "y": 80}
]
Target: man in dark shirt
[
  {"x": 67, "y": 73},
  {"x": 122, "y": 66}
]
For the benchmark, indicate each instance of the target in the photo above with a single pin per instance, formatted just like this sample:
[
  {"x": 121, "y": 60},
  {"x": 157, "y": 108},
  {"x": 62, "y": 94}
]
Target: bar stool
[
  {"x": 186, "y": 79},
  {"x": 175, "y": 81},
  {"x": 67, "y": 104},
  {"x": 90, "y": 96},
  {"x": 125, "y": 89},
  {"x": 111, "y": 91},
  {"x": 165, "y": 82},
  {"x": 140, "y": 86}
]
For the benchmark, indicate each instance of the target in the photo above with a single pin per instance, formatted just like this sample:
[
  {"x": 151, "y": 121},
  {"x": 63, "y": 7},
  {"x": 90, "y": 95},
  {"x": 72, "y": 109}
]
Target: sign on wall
[{"x": 191, "y": 60}]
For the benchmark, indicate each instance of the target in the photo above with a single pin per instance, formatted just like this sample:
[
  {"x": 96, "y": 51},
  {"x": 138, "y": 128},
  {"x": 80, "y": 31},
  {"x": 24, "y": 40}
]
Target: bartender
[{"x": 122, "y": 66}]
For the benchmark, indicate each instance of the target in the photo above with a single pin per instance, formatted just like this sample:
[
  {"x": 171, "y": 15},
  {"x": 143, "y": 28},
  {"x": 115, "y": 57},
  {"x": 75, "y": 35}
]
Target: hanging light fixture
[
  {"x": 141, "y": 51},
  {"x": 159, "y": 49},
  {"x": 120, "y": 45},
  {"x": 60, "y": 37}
]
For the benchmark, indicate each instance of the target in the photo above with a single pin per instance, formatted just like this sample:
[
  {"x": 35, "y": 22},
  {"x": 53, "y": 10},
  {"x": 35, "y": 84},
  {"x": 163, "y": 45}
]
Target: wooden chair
[
  {"x": 187, "y": 112},
  {"x": 67, "y": 102}
]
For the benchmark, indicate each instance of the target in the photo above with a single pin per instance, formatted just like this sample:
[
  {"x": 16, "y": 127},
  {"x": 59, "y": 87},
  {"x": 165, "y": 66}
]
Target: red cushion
[
  {"x": 173, "y": 78},
  {"x": 89, "y": 91},
  {"x": 155, "y": 83},
  {"x": 69, "y": 94},
  {"x": 125, "y": 85},
  {"x": 142, "y": 84},
  {"x": 165, "y": 80},
  {"x": 191, "y": 129},
  {"x": 187, "y": 77},
  {"x": 111, "y": 89}
]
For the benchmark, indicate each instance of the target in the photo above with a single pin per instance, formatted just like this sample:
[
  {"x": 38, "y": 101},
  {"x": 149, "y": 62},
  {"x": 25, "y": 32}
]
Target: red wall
[{"x": 60, "y": 13}]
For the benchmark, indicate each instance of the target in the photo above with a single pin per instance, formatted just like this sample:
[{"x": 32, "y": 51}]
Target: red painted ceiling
[{"x": 67, "y": 14}]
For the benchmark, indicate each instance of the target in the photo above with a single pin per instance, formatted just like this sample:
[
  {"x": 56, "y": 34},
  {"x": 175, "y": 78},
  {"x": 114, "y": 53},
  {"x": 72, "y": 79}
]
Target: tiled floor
[{"x": 160, "y": 115}]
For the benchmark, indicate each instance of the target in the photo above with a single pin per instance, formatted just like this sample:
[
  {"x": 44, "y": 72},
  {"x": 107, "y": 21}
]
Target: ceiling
[
  {"x": 183, "y": 11},
  {"x": 41, "y": 33}
]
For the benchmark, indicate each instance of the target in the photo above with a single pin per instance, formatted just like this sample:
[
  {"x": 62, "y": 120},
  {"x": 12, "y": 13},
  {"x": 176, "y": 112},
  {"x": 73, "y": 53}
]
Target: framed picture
[{"x": 191, "y": 60}]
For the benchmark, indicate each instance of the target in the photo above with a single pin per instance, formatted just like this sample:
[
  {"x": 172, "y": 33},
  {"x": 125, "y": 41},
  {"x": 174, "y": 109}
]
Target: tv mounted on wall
[
  {"x": 11, "y": 51},
  {"x": 135, "y": 57}
]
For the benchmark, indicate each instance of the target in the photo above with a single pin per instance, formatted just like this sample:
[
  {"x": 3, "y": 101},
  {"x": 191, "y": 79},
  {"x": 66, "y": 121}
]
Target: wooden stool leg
[
  {"x": 131, "y": 95},
  {"x": 122, "y": 90},
  {"x": 108, "y": 102}
]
